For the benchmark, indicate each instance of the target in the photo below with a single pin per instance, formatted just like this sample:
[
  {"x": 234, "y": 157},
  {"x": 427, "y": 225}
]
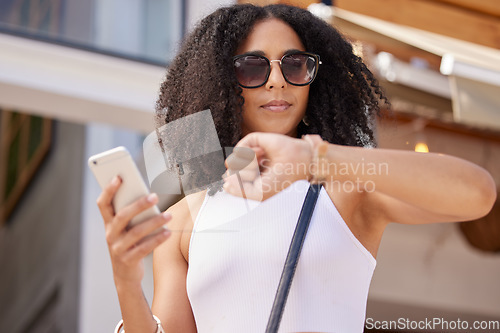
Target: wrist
[
  {"x": 129, "y": 286},
  {"x": 318, "y": 166},
  {"x": 159, "y": 328}
]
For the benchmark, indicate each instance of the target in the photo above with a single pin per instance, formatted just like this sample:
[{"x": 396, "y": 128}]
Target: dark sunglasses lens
[
  {"x": 299, "y": 68},
  {"x": 251, "y": 71}
]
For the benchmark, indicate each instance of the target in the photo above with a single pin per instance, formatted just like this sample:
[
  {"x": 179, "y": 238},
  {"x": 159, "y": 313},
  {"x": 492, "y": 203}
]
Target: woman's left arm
[
  {"x": 402, "y": 186},
  {"x": 410, "y": 187}
]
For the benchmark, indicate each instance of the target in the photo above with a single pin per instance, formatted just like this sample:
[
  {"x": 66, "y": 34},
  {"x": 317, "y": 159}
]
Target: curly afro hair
[{"x": 343, "y": 99}]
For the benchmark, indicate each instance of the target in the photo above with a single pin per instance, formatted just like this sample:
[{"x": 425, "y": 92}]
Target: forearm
[
  {"x": 136, "y": 314},
  {"x": 437, "y": 183}
]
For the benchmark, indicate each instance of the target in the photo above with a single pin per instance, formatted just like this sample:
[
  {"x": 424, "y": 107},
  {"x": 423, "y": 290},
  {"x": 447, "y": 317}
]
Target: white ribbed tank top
[{"x": 236, "y": 258}]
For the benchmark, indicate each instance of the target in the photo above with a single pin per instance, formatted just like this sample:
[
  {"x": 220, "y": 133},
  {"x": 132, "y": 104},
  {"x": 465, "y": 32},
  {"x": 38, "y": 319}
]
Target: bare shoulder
[
  {"x": 170, "y": 267},
  {"x": 184, "y": 214}
]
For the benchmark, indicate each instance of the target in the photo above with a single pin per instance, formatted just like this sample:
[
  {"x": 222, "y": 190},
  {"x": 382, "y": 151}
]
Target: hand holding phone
[
  {"x": 127, "y": 249},
  {"x": 118, "y": 162}
]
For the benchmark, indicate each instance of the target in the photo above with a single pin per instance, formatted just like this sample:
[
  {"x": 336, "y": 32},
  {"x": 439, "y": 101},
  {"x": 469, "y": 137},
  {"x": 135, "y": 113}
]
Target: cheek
[
  {"x": 246, "y": 97},
  {"x": 303, "y": 99},
  {"x": 249, "y": 96}
]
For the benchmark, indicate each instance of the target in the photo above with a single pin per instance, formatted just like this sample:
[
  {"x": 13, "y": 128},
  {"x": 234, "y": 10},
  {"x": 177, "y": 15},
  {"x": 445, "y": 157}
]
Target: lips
[{"x": 277, "y": 106}]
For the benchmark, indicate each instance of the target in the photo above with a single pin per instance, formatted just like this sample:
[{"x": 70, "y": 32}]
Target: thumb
[{"x": 240, "y": 158}]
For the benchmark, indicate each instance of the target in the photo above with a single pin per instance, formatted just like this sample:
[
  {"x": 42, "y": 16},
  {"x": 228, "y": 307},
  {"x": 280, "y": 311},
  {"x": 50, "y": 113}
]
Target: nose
[{"x": 276, "y": 78}]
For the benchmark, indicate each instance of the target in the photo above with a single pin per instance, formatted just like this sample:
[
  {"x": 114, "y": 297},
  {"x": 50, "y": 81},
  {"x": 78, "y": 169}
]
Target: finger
[
  {"x": 240, "y": 158},
  {"x": 253, "y": 190},
  {"x": 144, "y": 247},
  {"x": 263, "y": 144},
  {"x": 252, "y": 140},
  {"x": 236, "y": 178},
  {"x": 250, "y": 190},
  {"x": 104, "y": 201},
  {"x": 248, "y": 175},
  {"x": 232, "y": 185},
  {"x": 244, "y": 152},
  {"x": 123, "y": 216},
  {"x": 234, "y": 181},
  {"x": 259, "y": 152},
  {"x": 246, "y": 190},
  {"x": 140, "y": 231},
  {"x": 251, "y": 170}
]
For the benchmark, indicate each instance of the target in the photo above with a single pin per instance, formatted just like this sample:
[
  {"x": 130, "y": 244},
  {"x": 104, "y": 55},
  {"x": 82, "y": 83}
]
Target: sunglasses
[{"x": 298, "y": 69}]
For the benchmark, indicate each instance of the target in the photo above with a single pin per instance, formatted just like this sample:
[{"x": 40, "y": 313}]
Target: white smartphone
[{"x": 118, "y": 162}]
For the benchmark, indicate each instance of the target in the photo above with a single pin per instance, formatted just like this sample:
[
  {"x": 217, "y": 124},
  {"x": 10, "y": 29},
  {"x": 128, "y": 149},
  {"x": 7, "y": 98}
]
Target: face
[{"x": 277, "y": 106}]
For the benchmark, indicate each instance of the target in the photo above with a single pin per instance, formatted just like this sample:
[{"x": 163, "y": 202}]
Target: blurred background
[{"x": 80, "y": 77}]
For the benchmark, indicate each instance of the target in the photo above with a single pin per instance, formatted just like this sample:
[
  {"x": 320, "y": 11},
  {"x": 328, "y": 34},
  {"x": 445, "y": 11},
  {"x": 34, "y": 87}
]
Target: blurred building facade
[{"x": 76, "y": 78}]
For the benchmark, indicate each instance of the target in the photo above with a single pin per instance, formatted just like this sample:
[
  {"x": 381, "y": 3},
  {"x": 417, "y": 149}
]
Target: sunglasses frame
[{"x": 269, "y": 62}]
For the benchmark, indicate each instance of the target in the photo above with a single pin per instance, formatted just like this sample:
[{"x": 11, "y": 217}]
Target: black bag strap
[{"x": 292, "y": 258}]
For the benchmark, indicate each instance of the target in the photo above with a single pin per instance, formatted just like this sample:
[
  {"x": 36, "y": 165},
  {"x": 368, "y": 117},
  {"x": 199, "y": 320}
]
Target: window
[
  {"x": 144, "y": 30},
  {"x": 25, "y": 141}
]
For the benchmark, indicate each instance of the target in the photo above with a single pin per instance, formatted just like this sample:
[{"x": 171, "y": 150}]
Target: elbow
[
  {"x": 485, "y": 196},
  {"x": 490, "y": 197}
]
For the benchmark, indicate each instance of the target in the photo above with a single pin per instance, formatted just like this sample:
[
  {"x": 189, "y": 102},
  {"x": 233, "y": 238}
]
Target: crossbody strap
[{"x": 292, "y": 258}]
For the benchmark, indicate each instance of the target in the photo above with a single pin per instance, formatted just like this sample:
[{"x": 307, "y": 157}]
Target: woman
[{"x": 225, "y": 281}]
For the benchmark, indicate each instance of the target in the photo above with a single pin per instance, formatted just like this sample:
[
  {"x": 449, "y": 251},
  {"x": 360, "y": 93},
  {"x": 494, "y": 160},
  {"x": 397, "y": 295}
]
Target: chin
[
  {"x": 275, "y": 127},
  {"x": 289, "y": 132},
  {"x": 276, "y": 130}
]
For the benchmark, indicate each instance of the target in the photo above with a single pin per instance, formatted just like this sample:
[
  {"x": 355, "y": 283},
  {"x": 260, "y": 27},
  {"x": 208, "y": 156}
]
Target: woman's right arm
[
  {"x": 170, "y": 266},
  {"x": 127, "y": 250}
]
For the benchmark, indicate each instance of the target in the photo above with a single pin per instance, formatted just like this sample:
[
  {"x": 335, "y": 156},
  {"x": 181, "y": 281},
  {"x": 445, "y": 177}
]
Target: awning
[
  {"x": 473, "y": 70},
  {"x": 76, "y": 85}
]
